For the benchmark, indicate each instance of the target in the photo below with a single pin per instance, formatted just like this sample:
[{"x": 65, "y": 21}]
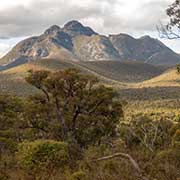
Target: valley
[{"x": 146, "y": 88}]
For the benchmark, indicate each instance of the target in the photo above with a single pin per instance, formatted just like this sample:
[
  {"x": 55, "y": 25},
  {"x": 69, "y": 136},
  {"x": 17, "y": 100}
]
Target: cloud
[
  {"x": 138, "y": 17},
  {"x": 7, "y": 44},
  {"x": 3, "y": 48},
  {"x": 105, "y": 16}
]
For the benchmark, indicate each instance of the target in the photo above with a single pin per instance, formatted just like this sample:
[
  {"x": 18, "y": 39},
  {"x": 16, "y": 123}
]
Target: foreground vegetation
[{"x": 77, "y": 129}]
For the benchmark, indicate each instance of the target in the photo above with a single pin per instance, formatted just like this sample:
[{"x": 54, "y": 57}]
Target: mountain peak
[
  {"x": 74, "y": 28},
  {"x": 52, "y": 29},
  {"x": 146, "y": 37},
  {"x": 78, "y": 42},
  {"x": 73, "y": 24},
  {"x": 121, "y": 36}
]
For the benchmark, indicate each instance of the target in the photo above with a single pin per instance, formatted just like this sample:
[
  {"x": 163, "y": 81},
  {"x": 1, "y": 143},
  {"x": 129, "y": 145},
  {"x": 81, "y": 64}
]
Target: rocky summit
[{"x": 77, "y": 42}]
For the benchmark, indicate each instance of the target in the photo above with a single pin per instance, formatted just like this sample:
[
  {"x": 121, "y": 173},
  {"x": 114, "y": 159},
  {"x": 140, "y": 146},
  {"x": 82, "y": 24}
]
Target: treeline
[{"x": 75, "y": 129}]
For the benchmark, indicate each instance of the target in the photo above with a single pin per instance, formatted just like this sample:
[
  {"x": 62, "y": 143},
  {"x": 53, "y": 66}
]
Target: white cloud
[
  {"x": 7, "y": 44},
  {"x": 4, "y": 47},
  {"x": 31, "y": 17},
  {"x": 27, "y": 17}
]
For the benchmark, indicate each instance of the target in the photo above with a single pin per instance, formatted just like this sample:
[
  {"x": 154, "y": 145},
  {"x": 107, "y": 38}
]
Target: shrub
[
  {"x": 148, "y": 132},
  {"x": 43, "y": 156}
]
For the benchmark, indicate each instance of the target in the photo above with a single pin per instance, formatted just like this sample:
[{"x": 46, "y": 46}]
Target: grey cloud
[
  {"x": 39, "y": 15},
  {"x": 22, "y": 21},
  {"x": 149, "y": 15}
]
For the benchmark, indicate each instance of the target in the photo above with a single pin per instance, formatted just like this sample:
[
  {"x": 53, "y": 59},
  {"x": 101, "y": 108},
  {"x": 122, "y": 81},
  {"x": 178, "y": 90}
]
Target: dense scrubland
[{"x": 73, "y": 127}]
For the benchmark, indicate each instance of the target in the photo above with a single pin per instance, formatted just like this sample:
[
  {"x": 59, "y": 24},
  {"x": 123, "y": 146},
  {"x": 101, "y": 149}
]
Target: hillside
[
  {"x": 144, "y": 49},
  {"x": 165, "y": 86},
  {"x": 117, "y": 73},
  {"x": 168, "y": 79},
  {"x": 77, "y": 42},
  {"x": 126, "y": 72},
  {"x": 159, "y": 95}
]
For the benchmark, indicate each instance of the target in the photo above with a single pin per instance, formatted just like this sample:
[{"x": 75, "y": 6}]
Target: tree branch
[
  {"x": 61, "y": 118},
  {"x": 76, "y": 113},
  {"x": 125, "y": 156},
  {"x": 166, "y": 33}
]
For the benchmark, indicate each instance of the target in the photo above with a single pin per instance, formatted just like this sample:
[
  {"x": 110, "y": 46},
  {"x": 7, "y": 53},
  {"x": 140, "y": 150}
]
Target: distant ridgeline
[{"x": 76, "y": 42}]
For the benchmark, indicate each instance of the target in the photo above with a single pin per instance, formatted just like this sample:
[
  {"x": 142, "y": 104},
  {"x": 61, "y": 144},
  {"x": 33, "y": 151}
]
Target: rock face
[
  {"x": 77, "y": 42},
  {"x": 95, "y": 48},
  {"x": 144, "y": 49},
  {"x": 75, "y": 28}
]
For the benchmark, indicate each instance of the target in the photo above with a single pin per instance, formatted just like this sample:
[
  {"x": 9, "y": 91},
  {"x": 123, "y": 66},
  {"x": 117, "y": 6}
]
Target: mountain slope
[
  {"x": 77, "y": 42},
  {"x": 120, "y": 74},
  {"x": 54, "y": 42},
  {"x": 126, "y": 72},
  {"x": 144, "y": 49},
  {"x": 167, "y": 79},
  {"x": 95, "y": 48}
]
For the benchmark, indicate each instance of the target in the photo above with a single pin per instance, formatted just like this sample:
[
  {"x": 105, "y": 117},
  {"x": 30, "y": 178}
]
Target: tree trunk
[
  {"x": 61, "y": 119},
  {"x": 77, "y": 112}
]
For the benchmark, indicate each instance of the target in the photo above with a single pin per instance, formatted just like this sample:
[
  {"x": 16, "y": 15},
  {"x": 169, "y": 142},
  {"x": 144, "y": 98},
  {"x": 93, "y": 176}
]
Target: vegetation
[
  {"x": 171, "y": 30},
  {"x": 178, "y": 68},
  {"x": 75, "y": 128},
  {"x": 68, "y": 125}
]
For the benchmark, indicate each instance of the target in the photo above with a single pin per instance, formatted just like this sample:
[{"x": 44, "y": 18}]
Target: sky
[{"x": 20, "y": 19}]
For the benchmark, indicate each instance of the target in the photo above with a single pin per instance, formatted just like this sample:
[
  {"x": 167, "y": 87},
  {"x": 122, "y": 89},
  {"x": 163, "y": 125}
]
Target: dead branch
[
  {"x": 167, "y": 33},
  {"x": 125, "y": 156}
]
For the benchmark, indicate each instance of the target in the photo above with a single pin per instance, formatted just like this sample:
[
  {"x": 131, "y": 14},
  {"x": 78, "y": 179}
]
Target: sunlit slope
[
  {"x": 159, "y": 95},
  {"x": 164, "y": 86},
  {"x": 166, "y": 79}
]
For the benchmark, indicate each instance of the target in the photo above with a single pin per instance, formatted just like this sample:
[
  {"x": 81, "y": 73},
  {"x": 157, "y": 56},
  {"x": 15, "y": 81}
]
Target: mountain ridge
[{"x": 77, "y": 42}]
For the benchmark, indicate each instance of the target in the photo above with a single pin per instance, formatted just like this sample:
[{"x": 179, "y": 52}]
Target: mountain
[
  {"x": 76, "y": 42},
  {"x": 144, "y": 49},
  {"x": 95, "y": 48},
  {"x": 75, "y": 28}
]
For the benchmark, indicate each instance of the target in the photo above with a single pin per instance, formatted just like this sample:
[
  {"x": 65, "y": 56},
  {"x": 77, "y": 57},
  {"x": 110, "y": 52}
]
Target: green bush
[{"x": 43, "y": 155}]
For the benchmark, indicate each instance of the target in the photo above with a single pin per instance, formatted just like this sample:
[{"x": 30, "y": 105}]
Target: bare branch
[
  {"x": 125, "y": 156},
  {"x": 166, "y": 32}
]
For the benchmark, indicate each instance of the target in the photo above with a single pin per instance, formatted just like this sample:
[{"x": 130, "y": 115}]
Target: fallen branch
[{"x": 125, "y": 156}]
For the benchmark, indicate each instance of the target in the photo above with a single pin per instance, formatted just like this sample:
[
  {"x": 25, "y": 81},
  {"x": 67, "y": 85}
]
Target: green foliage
[
  {"x": 10, "y": 106},
  {"x": 84, "y": 110},
  {"x": 58, "y": 133},
  {"x": 43, "y": 155},
  {"x": 10, "y": 110}
]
